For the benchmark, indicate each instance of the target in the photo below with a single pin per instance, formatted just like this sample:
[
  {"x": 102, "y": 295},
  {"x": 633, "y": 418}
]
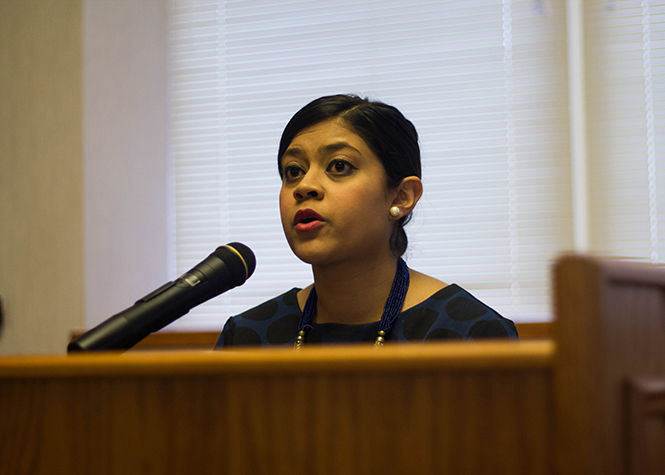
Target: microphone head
[{"x": 241, "y": 254}]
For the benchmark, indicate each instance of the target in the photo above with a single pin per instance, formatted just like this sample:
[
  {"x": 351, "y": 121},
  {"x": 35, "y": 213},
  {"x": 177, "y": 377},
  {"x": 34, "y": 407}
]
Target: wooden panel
[
  {"x": 534, "y": 330},
  {"x": 610, "y": 327},
  {"x": 645, "y": 438},
  {"x": 459, "y": 408}
]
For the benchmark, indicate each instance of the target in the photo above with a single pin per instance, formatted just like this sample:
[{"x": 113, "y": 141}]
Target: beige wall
[
  {"x": 83, "y": 164},
  {"x": 41, "y": 168},
  {"x": 125, "y": 150}
]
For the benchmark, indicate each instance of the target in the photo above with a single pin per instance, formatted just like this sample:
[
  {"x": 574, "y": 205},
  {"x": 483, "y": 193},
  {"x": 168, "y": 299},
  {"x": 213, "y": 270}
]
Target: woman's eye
[
  {"x": 340, "y": 167},
  {"x": 292, "y": 172}
]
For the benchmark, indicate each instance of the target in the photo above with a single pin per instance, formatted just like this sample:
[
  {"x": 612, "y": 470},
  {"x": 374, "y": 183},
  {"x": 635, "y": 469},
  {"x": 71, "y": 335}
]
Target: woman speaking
[{"x": 351, "y": 177}]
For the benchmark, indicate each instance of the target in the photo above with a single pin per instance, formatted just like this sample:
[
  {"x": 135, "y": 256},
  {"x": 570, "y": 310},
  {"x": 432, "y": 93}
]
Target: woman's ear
[{"x": 407, "y": 194}]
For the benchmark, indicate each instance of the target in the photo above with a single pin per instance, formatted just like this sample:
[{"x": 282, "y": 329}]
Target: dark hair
[{"x": 390, "y": 135}]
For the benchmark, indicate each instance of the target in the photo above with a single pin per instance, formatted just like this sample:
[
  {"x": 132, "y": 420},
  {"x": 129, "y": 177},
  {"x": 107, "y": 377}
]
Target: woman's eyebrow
[
  {"x": 294, "y": 152},
  {"x": 337, "y": 146}
]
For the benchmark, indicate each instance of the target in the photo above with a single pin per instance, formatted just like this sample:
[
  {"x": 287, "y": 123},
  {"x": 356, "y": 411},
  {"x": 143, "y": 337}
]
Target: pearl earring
[{"x": 394, "y": 211}]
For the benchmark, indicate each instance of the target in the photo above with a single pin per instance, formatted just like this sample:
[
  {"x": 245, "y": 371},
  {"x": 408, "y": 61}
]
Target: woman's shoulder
[
  {"x": 421, "y": 287},
  {"x": 442, "y": 311}
]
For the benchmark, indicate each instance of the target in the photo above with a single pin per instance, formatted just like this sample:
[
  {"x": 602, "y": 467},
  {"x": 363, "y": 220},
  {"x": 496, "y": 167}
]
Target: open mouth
[
  {"x": 307, "y": 220},
  {"x": 306, "y": 216}
]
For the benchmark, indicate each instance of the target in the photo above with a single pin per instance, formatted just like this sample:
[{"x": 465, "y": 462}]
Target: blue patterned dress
[{"x": 451, "y": 313}]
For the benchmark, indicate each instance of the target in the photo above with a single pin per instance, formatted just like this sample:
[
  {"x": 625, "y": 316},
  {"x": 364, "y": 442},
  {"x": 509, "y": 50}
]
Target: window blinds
[
  {"x": 626, "y": 105},
  {"x": 483, "y": 81}
]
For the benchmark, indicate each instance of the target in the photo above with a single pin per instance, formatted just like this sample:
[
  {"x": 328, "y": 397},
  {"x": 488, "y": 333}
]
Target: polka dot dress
[{"x": 451, "y": 313}]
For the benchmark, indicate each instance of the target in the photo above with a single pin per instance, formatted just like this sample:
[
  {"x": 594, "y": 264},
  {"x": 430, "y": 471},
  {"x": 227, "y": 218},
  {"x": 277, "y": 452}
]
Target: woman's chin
[
  {"x": 314, "y": 258},
  {"x": 318, "y": 253},
  {"x": 314, "y": 254}
]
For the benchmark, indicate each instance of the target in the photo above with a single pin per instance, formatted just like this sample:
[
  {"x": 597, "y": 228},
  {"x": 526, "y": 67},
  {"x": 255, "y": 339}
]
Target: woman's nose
[{"x": 308, "y": 188}]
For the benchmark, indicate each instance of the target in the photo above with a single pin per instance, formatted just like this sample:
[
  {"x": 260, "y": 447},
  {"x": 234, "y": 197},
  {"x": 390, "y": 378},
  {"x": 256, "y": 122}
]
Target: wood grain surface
[{"x": 458, "y": 408}]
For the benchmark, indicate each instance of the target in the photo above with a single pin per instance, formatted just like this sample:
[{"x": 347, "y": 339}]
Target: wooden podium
[{"x": 589, "y": 401}]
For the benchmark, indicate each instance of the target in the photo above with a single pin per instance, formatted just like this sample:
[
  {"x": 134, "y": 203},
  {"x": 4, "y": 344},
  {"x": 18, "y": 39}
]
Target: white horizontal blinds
[
  {"x": 497, "y": 206},
  {"x": 626, "y": 94},
  {"x": 483, "y": 81},
  {"x": 197, "y": 118}
]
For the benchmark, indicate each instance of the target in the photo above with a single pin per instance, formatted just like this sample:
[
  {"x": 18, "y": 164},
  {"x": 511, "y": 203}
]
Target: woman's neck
[{"x": 353, "y": 292}]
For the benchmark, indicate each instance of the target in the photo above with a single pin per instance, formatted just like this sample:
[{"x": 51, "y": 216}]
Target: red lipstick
[{"x": 307, "y": 220}]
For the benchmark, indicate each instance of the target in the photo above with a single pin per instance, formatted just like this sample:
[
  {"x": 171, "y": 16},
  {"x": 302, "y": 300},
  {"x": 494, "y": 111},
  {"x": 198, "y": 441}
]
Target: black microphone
[{"x": 227, "y": 267}]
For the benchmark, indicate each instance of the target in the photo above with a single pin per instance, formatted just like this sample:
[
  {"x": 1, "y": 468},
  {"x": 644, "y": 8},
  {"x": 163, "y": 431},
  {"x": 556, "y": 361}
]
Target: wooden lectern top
[{"x": 488, "y": 355}]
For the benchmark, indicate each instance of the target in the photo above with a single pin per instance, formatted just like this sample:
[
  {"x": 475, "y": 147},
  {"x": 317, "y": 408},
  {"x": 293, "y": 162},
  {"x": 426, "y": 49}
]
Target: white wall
[
  {"x": 41, "y": 163},
  {"x": 83, "y": 164},
  {"x": 125, "y": 118}
]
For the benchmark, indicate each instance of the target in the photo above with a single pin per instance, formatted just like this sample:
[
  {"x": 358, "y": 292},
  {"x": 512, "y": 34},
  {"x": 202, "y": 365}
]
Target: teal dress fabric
[{"x": 452, "y": 313}]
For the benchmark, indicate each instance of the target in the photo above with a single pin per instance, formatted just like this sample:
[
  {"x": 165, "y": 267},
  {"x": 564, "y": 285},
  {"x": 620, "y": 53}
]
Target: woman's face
[{"x": 334, "y": 199}]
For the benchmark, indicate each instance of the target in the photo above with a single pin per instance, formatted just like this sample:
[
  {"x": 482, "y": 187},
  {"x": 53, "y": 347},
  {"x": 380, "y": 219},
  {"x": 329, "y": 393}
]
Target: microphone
[{"x": 227, "y": 267}]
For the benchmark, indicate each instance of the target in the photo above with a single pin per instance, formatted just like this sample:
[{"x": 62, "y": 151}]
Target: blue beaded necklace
[{"x": 391, "y": 310}]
